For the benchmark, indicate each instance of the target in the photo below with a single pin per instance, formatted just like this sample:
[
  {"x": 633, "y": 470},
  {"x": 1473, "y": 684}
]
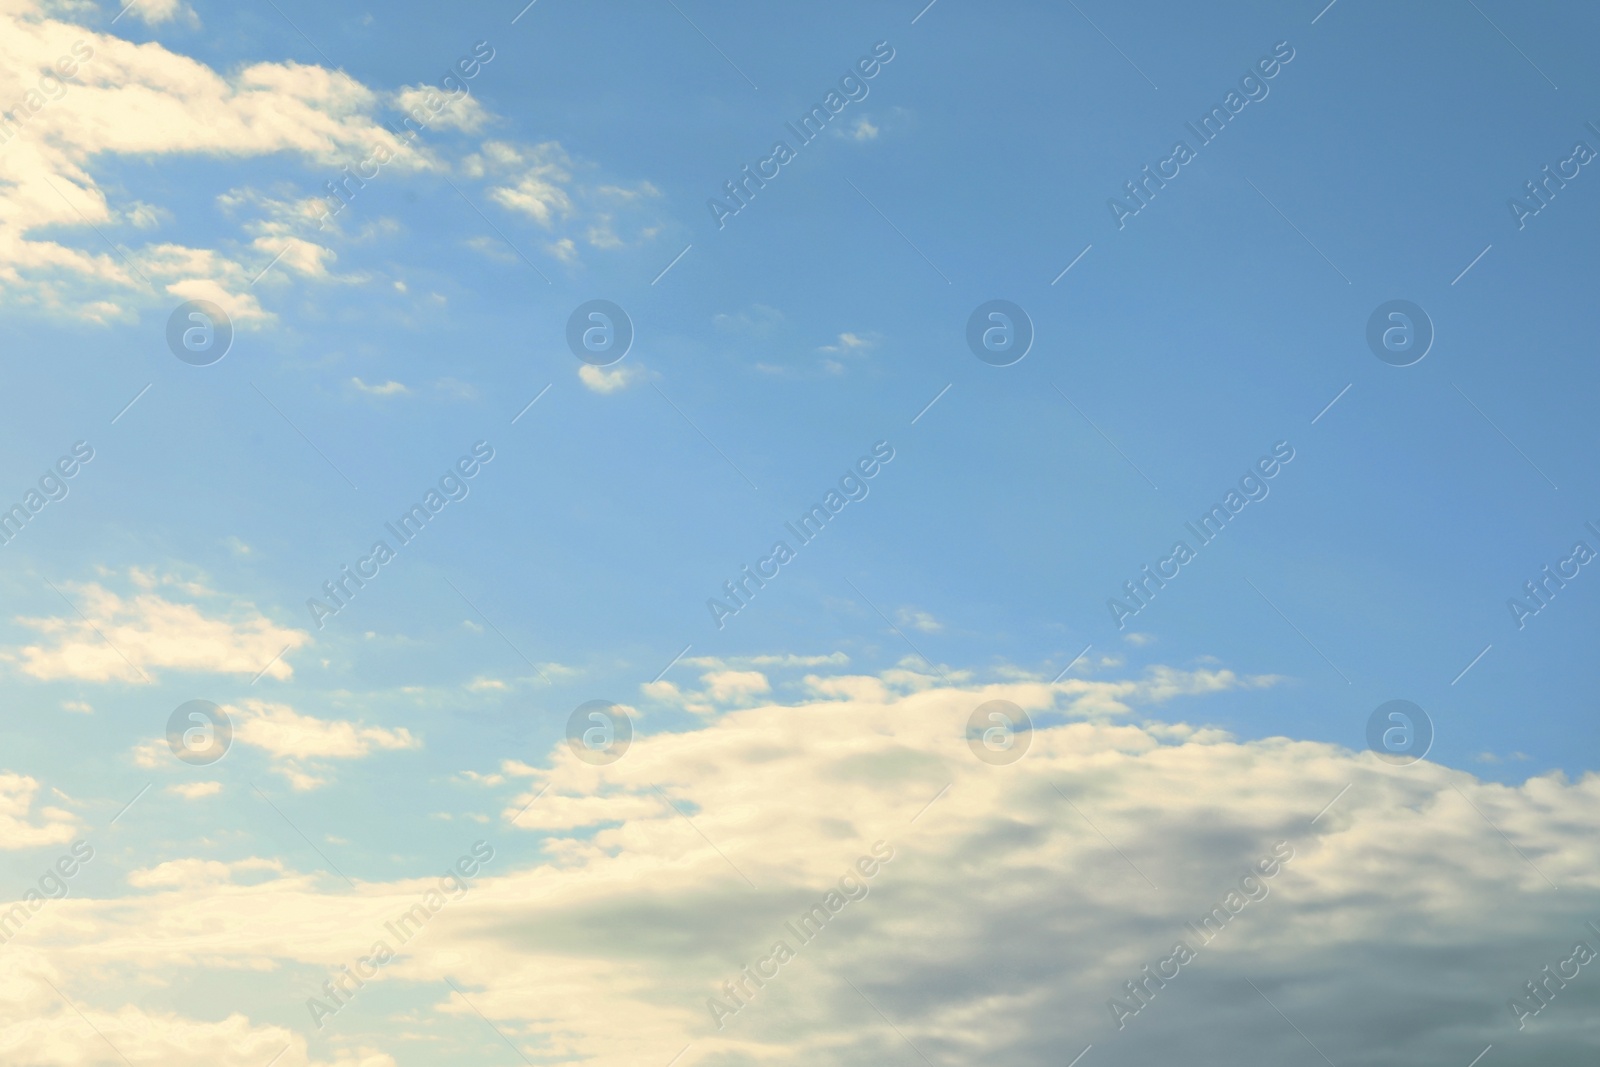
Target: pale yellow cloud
[
  {"x": 1019, "y": 898},
  {"x": 604, "y": 380},
  {"x": 21, "y": 826},
  {"x": 195, "y": 790},
  {"x": 282, "y": 731},
  {"x": 130, "y": 638},
  {"x": 144, "y": 100}
]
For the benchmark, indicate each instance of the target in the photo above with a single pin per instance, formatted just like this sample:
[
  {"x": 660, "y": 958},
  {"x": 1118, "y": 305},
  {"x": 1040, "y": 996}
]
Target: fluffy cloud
[
  {"x": 20, "y": 827},
  {"x": 126, "y": 638},
  {"x": 195, "y": 790},
  {"x": 1020, "y": 901},
  {"x": 297, "y": 744},
  {"x": 604, "y": 381},
  {"x": 462, "y": 113},
  {"x": 156, "y": 12},
  {"x": 388, "y": 388},
  {"x": 534, "y": 178},
  {"x": 542, "y": 183},
  {"x": 75, "y": 98},
  {"x": 283, "y": 732},
  {"x": 126, "y": 99}
]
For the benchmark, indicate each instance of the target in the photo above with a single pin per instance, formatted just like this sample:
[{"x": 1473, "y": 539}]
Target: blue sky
[{"x": 1227, "y": 318}]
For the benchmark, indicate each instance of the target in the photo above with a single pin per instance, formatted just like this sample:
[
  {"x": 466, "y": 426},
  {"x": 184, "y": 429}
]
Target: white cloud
[
  {"x": 20, "y": 826},
  {"x": 735, "y": 687},
  {"x": 604, "y": 380},
  {"x": 156, "y": 12},
  {"x": 297, "y": 741},
  {"x": 462, "y": 113},
  {"x": 195, "y": 790},
  {"x": 542, "y": 183},
  {"x": 389, "y": 388},
  {"x": 1020, "y": 899},
  {"x": 538, "y": 176},
  {"x": 832, "y": 659},
  {"x": 152, "y": 632},
  {"x": 195, "y": 872},
  {"x": 919, "y": 620},
  {"x": 144, "y": 101},
  {"x": 850, "y": 342}
]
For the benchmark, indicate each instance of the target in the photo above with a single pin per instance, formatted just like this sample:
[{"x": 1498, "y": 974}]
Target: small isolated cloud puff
[
  {"x": 604, "y": 381},
  {"x": 389, "y": 388},
  {"x": 462, "y": 113},
  {"x": 195, "y": 790},
  {"x": 151, "y": 632},
  {"x": 919, "y": 620},
  {"x": 283, "y": 732},
  {"x": 850, "y": 343},
  {"x": 757, "y": 321}
]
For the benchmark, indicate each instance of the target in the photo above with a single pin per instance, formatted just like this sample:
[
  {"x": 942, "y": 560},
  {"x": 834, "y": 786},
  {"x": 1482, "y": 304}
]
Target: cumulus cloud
[
  {"x": 607, "y": 380},
  {"x": 284, "y": 732},
  {"x": 1405, "y": 906},
  {"x": 119, "y": 638},
  {"x": 298, "y": 742},
  {"x": 125, "y": 99}
]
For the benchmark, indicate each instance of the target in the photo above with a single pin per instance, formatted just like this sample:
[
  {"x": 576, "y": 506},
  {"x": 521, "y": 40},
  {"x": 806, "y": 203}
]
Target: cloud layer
[{"x": 1021, "y": 900}]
